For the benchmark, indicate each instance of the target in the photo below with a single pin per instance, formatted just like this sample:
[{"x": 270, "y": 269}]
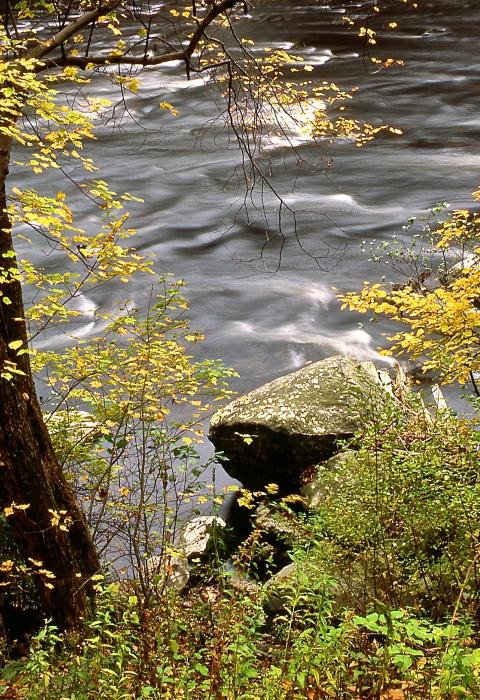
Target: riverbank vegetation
[{"x": 383, "y": 601}]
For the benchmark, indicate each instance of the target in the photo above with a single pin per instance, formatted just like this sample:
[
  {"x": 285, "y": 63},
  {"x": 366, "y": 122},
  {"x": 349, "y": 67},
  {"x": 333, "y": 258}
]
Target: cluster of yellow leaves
[
  {"x": 138, "y": 367},
  {"x": 12, "y": 571},
  {"x": 461, "y": 227},
  {"x": 265, "y": 79},
  {"x": 443, "y": 321},
  {"x": 370, "y": 33},
  {"x": 57, "y": 129},
  {"x": 36, "y": 567},
  {"x": 9, "y": 370},
  {"x": 169, "y": 107},
  {"x": 372, "y": 21},
  {"x": 352, "y": 129},
  {"x": 60, "y": 519},
  {"x": 13, "y": 507},
  {"x": 187, "y": 13},
  {"x": 270, "y": 88},
  {"x": 249, "y": 499},
  {"x": 95, "y": 257}
]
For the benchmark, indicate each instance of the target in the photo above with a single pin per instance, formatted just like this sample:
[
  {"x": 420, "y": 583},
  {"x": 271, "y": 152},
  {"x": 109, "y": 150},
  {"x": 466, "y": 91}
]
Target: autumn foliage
[{"x": 439, "y": 306}]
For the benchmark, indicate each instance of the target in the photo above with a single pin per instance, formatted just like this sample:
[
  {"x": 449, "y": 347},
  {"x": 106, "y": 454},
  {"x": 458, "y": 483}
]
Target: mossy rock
[
  {"x": 272, "y": 434},
  {"x": 316, "y": 490}
]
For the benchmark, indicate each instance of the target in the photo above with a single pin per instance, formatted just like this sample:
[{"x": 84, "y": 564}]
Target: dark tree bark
[{"x": 29, "y": 470}]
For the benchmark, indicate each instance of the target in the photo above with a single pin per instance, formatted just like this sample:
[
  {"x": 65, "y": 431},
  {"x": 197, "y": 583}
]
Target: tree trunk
[{"x": 30, "y": 473}]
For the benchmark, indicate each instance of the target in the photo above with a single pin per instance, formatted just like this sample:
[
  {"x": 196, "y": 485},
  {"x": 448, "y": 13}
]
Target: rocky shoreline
[{"x": 278, "y": 441}]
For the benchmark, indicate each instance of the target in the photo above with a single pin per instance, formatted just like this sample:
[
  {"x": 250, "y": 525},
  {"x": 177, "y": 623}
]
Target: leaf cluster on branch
[{"x": 439, "y": 304}]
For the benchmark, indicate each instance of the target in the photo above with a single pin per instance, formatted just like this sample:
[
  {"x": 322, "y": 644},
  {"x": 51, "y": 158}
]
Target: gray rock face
[
  {"x": 201, "y": 535},
  {"x": 170, "y": 571},
  {"x": 272, "y": 434},
  {"x": 315, "y": 491}
]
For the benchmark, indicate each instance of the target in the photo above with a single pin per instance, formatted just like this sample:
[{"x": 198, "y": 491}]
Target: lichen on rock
[{"x": 272, "y": 434}]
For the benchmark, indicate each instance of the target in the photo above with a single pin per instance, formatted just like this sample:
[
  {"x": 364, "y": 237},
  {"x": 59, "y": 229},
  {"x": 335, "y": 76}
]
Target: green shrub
[{"x": 399, "y": 522}]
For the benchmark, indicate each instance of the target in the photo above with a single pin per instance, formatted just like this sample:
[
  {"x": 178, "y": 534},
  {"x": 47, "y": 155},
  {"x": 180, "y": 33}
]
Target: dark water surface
[{"x": 265, "y": 322}]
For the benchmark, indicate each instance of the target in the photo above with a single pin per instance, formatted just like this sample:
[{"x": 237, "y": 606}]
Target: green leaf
[{"x": 203, "y": 670}]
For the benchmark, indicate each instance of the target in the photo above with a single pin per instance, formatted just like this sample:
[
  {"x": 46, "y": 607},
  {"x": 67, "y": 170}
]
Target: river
[{"x": 262, "y": 314}]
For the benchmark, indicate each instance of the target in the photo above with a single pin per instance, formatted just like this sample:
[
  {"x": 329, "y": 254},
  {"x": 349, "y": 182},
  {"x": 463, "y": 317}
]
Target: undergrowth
[{"x": 381, "y": 603}]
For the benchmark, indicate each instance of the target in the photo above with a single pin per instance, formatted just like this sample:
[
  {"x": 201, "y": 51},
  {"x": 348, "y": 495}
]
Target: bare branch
[
  {"x": 84, "y": 61},
  {"x": 212, "y": 14}
]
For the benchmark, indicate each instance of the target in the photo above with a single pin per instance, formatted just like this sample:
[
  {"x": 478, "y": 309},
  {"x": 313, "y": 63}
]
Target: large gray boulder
[{"x": 272, "y": 434}]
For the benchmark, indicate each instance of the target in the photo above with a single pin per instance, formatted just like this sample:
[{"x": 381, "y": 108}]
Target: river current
[{"x": 262, "y": 314}]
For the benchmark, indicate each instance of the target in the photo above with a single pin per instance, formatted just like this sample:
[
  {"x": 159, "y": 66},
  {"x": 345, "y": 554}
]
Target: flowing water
[{"x": 264, "y": 313}]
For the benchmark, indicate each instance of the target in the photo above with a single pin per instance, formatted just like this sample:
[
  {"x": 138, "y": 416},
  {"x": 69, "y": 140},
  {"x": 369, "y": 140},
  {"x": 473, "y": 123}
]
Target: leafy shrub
[
  {"x": 127, "y": 419},
  {"x": 399, "y": 520},
  {"x": 436, "y": 296}
]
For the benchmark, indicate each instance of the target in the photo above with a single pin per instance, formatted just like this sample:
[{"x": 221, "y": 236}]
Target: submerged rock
[
  {"x": 168, "y": 571},
  {"x": 272, "y": 434},
  {"x": 201, "y": 539}
]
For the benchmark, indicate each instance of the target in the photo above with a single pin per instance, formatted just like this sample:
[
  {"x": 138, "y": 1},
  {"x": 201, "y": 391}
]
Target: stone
[
  {"x": 315, "y": 491},
  {"x": 350, "y": 589},
  {"x": 202, "y": 536},
  {"x": 280, "y": 522},
  {"x": 274, "y": 589},
  {"x": 469, "y": 261},
  {"x": 275, "y": 432},
  {"x": 170, "y": 571}
]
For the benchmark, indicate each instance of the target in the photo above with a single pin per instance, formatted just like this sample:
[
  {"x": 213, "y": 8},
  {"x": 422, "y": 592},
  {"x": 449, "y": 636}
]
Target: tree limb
[
  {"x": 184, "y": 54},
  {"x": 71, "y": 29},
  {"x": 84, "y": 61}
]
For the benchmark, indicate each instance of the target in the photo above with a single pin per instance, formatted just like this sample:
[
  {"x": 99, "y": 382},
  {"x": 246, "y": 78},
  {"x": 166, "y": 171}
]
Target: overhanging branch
[
  {"x": 85, "y": 61},
  {"x": 71, "y": 29},
  {"x": 184, "y": 54}
]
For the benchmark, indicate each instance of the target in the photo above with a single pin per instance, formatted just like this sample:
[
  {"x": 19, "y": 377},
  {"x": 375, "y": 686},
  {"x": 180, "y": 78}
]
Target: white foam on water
[
  {"x": 292, "y": 126},
  {"x": 297, "y": 358},
  {"x": 243, "y": 327},
  {"x": 315, "y": 57}
]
